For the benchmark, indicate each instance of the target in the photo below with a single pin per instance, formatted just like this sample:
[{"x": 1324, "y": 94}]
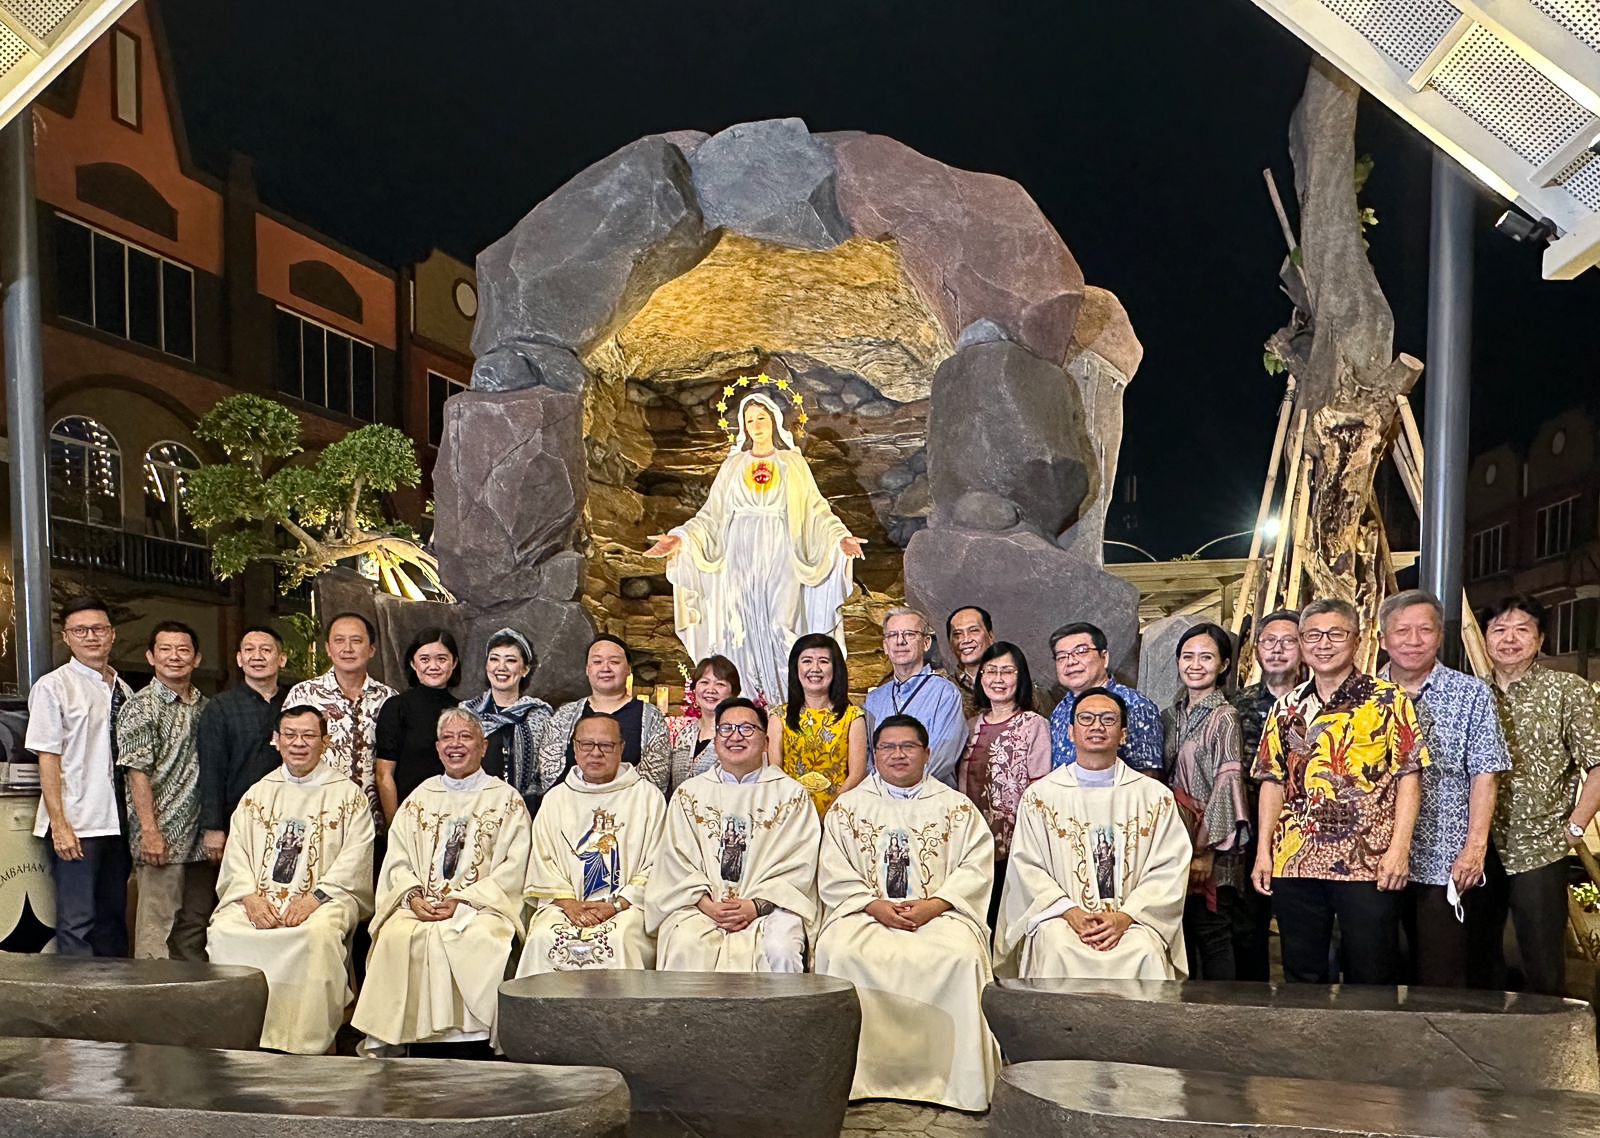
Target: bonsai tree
[{"x": 330, "y": 508}]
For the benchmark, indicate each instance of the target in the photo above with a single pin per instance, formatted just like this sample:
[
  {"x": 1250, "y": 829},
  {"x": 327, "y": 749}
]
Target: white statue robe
[
  {"x": 760, "y": 567},
  {"x": 1118, "y": 848},
  {"x": 923, "y": 1035},
  {"x": 593, "y": 842},
  {"x": 439, "y": 981},
  {"x": 288, "y": 837},
  {"x": 755, "y": 840}
]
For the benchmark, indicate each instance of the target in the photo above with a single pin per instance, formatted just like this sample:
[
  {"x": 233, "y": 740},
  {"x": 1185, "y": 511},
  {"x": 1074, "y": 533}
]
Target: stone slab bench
[
  {"x": 1125, "y": 1100},
  {"x": 73, "y": 1088},
  {"x": 131, "y": 1001},
  {"x": 708, "y": 1054},
  {"x": 1406, "y": 1037}
]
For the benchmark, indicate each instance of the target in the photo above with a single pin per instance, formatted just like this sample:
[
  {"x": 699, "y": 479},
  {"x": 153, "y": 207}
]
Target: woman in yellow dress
[{"x": 823, "y": 743}]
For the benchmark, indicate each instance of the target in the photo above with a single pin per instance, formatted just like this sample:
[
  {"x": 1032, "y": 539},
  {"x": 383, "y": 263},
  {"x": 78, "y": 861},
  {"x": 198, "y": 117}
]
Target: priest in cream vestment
[
  {"x": 1099, "y": 865},
  {"x": 594, "y": 842},
  {"x": 734, "y": 884},
  {"x": 449, "y": 902},
  {"x": 906, "y": 870},
  {"x": 296, "y": 877}
]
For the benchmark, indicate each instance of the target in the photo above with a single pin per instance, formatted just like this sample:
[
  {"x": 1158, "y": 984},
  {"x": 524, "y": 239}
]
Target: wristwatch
[
  {"x": 1574, "y": 830},
  {"x": 322, "y": 898},
  {"x": 763, "y": 908}
]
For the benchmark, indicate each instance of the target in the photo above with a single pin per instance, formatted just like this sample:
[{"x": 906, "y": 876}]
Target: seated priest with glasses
[
  {"x": 1099, "y": 867},
  {"x": 733, "y": 888},
  {"x": 594, "y": 843},
  {"x": 904, "y": 879}
]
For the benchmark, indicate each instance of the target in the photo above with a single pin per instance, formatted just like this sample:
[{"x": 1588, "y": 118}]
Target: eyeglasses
[
  {"x": 904, "y": 637},
  {"x": 600, "y": 747},
  {"x": 1333, "y": 636},
  {"x": 743, "y": 730},
  {"x": 84, "y": 631},
  {"x": 1077, "y": 653},
  {"x": 898, "y": 748},
  {"x": 1270, "y": 642},
  {"x": 1103, "y": 718},
  {"x": 992, "y": 673},
  {"x": 299, "y": 736}
]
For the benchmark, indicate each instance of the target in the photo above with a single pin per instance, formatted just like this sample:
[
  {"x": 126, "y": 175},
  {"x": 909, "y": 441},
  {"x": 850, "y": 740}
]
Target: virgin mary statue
[{"x": 764, "y": 562}]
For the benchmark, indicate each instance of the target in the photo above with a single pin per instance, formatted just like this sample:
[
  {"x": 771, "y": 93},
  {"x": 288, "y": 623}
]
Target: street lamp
[{"x": 1269, "y": 531}]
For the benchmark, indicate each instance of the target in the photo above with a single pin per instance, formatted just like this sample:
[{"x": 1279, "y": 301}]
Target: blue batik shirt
[
  {"x": 1142, "y": 745},
  {"x": 1462, "y": 731}
]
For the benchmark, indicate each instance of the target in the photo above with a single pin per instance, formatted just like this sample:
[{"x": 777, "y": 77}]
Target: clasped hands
[
  {"x": 668, "y": 544},
  {"x": 730, "y": 916},
  {"x": 263, "y": 914},
  {"x": 908, "y": 916},
  {"x": 587, "y": 914},
  {"x": 1100, "y": 931},
  {"x": 426, "y": 908}
]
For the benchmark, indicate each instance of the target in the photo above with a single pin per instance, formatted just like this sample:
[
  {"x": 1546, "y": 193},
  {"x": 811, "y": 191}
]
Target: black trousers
[
  {"x": 92, "y": 898},
  {"x": 1253, "y": 940},
  {"x": 1437, "y": 941},
  {"x": 1369, "y": 930},
  {"x": 1217, "y": 943},
  {"x": 1537, "y": 903}
]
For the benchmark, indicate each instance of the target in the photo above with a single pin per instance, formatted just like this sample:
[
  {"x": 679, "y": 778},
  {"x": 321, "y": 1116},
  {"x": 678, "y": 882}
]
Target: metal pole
[
  {"x": 1447, "y": 392},
  {"x": 25, "y": 427}
]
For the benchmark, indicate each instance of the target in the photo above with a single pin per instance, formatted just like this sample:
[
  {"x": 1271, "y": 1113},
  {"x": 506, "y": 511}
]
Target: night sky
[{"x": 1141, "y": 129}]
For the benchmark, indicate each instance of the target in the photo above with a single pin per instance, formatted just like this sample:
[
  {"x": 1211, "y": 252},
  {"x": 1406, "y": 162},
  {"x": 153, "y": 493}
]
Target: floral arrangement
[{"x": 783, "y": 385}]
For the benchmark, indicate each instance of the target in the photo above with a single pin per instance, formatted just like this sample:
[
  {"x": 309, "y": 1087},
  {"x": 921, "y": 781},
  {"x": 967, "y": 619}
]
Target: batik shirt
[
  {"x": 1553, "y": 731},
  {"x": 158, "y": 735},
  {"x": 1457, "y": 716},
  {"x": 1253, "y": 704},
  {"x": 352, "y": 729},
  {"x": 1340, "y": 764},
  {"x": 1142, "y": 741}
]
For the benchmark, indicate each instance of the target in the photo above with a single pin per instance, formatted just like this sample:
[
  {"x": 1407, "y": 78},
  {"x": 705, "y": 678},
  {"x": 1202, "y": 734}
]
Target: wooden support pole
[
  {"x": 1286, "y": 536},
  {"x": 1247, "y": 586},
  {"x": 1302, "y": 512}
]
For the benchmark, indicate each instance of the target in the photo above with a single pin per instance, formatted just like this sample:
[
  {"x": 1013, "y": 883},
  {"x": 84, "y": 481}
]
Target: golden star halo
[{"x": 796, "y": 399}]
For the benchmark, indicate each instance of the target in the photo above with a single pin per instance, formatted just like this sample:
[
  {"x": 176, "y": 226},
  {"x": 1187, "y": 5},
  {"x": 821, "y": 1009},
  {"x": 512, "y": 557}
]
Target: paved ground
[{"x": 904, "y": 1120}]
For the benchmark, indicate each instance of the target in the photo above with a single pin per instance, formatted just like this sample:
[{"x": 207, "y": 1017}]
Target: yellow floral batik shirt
[
  {"x": 1339, "y": 763},
  {"x": 818, "y": 755}
]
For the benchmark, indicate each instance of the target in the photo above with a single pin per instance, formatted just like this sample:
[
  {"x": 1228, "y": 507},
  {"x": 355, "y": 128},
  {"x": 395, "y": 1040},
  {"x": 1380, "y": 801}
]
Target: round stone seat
[
  {"x": 1405, "y": 1037},
  {"x": 705, "y": 1053},
  {"x": 131, "y": 1001},
  {"x": 1126, "y": 1100},
  {"x": 73, "y": 1088}
]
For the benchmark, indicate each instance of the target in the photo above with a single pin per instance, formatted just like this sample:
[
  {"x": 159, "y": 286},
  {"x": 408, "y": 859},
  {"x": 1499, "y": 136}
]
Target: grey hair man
[{"x": 914, "y": 688}]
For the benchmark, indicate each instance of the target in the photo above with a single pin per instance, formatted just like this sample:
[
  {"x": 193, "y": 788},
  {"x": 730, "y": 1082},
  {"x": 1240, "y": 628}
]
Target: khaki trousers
[{"x": 175, "y": 904}]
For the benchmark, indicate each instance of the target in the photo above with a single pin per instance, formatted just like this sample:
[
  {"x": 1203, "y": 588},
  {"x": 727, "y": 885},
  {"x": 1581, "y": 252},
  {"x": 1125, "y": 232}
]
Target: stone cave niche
[{"x": 849, "y": 330}]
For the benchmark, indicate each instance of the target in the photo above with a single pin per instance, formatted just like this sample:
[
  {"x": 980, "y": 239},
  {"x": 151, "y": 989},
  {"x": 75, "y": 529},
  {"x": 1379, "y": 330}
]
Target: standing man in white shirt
[{"x": 72, "y": 723}]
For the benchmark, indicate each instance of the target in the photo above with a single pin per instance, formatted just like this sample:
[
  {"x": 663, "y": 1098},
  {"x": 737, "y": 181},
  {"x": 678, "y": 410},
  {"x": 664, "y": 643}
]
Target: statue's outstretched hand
[
  {"x": 851, "y": 546},
  {"x": 666, "y": 545}
]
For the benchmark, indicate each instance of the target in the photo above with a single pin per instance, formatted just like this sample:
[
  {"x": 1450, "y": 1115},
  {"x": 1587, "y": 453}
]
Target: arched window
[
  {"x": 166, "y": 471},
  {"x": 85, "y": 473}
]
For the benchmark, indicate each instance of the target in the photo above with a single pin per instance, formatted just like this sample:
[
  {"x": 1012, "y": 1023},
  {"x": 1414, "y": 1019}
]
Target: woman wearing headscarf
[
  {"x": 764, "y": 562},
  {"x": 513, "y": 721}
]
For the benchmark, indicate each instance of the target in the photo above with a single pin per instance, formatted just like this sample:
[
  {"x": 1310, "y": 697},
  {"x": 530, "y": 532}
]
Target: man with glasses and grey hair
[
  {"x": 72, "y": 726},
  {"x": 1463, "y": 736},
  {"x": 915, "y": 689},
  {"x": 1340, "y": 764}
]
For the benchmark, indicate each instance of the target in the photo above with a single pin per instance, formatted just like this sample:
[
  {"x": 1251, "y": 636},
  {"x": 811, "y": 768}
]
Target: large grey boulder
[
  {"x": 1005, "y": 423},
  {"x": 1124, "y": 1100},
  {"x": 770, "y": 180},
  {"x": 69, "y": 1088},
  {"x": 714, "y": 1055},
  {"x": 977, "y": 244},
  {"x": 509, "y": 487},
  {"x": 1029, "y": 585},
  {"x": 587, "y": 257},
  {"x": 1405, "y": 1037},
  {"x": 131, "y": 1001}
]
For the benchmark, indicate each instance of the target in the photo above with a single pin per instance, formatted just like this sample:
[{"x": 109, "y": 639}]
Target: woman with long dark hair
[
  {"x": 1008, "y": 749},
  {"x": 406, "y": 751},
  {"x": 823, "y": 743}
]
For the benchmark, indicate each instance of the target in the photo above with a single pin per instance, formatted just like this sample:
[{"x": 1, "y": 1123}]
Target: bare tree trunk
[{"x": 1339, "y": 345}]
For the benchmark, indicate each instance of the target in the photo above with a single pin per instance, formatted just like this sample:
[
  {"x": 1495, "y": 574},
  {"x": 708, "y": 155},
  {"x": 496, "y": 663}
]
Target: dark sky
[{"x": 1140, "y": 127}]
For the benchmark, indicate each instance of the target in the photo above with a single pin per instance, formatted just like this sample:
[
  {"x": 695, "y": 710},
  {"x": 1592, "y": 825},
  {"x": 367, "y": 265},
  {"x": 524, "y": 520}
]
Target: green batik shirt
[
  {"x": 158, "y": 733},
  {"x": 1552, "y": 726}
]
